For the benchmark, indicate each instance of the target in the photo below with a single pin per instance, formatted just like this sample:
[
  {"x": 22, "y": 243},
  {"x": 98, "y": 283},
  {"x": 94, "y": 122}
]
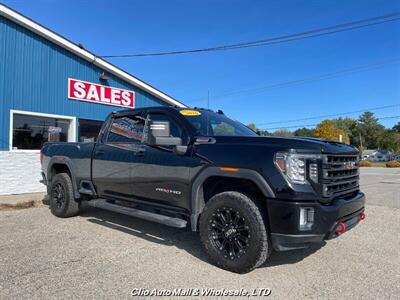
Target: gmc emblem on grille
[{"x": 349, "y": 165}]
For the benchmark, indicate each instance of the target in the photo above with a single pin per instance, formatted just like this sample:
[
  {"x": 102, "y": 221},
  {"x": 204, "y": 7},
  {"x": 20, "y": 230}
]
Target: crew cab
[{"x": 245, "y": 194}]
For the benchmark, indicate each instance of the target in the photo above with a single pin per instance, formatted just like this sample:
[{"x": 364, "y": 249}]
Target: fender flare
[
  {"x": 197, "y": 196},
  {"x": 63, "y": 160}
]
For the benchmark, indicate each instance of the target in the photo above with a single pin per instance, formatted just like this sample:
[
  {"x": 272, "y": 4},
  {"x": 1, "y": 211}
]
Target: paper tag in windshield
[{"x": 190, "y": 112}]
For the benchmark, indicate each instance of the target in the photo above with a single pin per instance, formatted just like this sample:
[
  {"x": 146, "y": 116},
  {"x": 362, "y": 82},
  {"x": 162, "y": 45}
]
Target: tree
[
  {"x": 304, "y": 132},
  {"x": 396, "y": 127},
  {"x": 349, "y": 126},
  {"x": 265, "y": 133},
  {"x": 252, "y": 126},
  {"x": 328, "y": 130},
  {"x": 369, "y": 129},
  {"x": 390, "y": 140},
  {"x": 283, "y": 132}
]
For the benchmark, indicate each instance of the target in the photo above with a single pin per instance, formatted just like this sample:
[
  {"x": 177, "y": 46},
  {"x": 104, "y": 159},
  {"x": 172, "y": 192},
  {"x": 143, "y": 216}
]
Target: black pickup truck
[{"x": 245, "y": 194}]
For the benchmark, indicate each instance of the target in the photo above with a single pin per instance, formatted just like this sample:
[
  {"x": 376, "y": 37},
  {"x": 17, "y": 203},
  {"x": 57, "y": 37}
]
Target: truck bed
[{"x": 77, "y": 156}]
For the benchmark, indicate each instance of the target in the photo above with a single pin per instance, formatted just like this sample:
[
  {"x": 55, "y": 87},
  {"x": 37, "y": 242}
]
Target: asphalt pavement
[
  {"x": 382, "y": 186},
  {"x": 102, "y": 255}
]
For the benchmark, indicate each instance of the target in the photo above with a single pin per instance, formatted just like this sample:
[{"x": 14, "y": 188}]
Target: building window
[
  {"x": 89, "y": 130},
  {"x": 31, "y": 130}
]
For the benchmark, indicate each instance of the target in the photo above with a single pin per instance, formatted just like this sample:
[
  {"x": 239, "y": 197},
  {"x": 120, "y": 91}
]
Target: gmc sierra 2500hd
[{"x": 245, "y": 194}]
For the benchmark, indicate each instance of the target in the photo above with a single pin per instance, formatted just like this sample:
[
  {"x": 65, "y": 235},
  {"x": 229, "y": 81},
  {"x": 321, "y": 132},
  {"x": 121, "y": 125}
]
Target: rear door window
[{"x": 126, "y": 129}]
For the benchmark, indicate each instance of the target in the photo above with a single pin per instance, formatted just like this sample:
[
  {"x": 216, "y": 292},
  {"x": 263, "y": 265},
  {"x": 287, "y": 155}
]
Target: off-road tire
[
  {"x": 258, "y": 245},
  {"x": 61, "y": 197}
]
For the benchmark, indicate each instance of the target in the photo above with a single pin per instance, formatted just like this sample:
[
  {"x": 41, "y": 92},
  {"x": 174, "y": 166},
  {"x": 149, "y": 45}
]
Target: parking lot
[{"x": 102, "y": 255}]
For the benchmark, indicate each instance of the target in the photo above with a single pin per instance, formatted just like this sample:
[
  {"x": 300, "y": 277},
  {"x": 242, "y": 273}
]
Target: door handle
[{"x": 99, "y": 152}]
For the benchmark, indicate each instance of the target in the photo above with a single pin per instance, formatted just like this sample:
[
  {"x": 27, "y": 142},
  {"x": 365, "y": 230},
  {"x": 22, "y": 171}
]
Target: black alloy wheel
[
  {"x": 233, "y": 231},
  {"x": 62, "y": 201},
  {"x": 58, "y": 195},
  {"x": 229, "y": 232}
]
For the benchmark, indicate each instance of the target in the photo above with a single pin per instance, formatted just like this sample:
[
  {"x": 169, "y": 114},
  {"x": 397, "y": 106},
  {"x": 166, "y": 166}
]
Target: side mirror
[
  {"x": 180, "y": 150},
  {"x": 157, "y": 133}
]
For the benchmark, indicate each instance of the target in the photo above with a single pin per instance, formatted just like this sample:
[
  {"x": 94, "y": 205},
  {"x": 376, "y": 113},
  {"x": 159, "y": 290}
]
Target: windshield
[{"x": 208, "y": 123}]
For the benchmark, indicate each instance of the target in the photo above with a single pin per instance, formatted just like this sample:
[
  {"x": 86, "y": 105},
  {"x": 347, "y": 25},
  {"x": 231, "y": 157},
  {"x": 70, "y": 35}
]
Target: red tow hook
[
  {"x": 361, "y": 216},
  {"x": 341, "y": 228}
]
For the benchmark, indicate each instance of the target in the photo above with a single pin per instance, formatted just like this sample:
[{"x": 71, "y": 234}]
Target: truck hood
[{"x": 298, "y": 143}]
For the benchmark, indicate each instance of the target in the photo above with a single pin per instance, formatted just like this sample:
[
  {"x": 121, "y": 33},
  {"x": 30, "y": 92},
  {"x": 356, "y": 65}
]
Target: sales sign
[{"x": 102, "y": 94}]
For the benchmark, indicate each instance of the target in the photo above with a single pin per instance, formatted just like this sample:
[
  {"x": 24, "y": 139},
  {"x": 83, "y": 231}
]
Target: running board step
[{"x": 142, "y": 214}]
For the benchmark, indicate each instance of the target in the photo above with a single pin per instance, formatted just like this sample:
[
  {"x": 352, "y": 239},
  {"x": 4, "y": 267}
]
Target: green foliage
[
  {"x": 304, "y": 132},
  {"x": 283, "y": 132},
  {"x": 396, "y": 127},
  {"x": 370, "y": 130},
  {"x": 349, "y": 126},
  {"x": 252, "y": 126},
  {"x": 265, "y": 133},
  {"x": 389, "y": 140},
  {"x": 365, "y": 132}
]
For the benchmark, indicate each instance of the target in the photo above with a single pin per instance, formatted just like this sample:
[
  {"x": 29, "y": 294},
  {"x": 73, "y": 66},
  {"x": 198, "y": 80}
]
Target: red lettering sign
[{"x": 97, "y": 93}]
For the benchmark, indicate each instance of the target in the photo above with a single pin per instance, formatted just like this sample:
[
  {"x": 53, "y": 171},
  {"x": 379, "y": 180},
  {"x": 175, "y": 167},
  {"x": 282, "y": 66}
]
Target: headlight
[
  {"x": 293, "y": 166},
  {"x": 295, "y": 169}
]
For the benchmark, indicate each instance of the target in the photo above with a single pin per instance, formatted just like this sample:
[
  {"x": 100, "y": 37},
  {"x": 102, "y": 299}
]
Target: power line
[
  {"x": 277, "y": 40},
  {"x": 289, "y": 83},
  {"x": 330, "y": 115},
  {"x": 313, "y": 125}
]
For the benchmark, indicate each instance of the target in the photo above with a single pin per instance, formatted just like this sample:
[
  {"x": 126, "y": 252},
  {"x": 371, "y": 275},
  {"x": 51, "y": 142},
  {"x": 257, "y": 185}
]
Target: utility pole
[
  {"x": 208, "y": 99},
  {"x": 361, "y": 145}
]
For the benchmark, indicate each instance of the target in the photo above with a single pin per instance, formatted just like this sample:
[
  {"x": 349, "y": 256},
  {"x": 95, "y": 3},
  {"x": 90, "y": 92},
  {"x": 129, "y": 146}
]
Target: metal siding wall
[{"x": 34, "y": 77}]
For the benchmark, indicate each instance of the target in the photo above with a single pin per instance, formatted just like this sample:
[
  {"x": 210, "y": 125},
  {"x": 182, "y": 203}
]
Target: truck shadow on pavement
[{"x": 181, "y": 238}]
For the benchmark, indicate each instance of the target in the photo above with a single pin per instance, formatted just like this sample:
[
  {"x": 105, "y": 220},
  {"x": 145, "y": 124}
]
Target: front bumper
[{"x": 284, "y": 221}]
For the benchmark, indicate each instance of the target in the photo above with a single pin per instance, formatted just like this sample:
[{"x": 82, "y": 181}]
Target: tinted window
[
  {"x": 208, "y": 123},
  {"x": 222, "y": 128},
  {"x": 175, "y": 129},
  {"x": 31, "y": 132},
  {"x": 126, "y": 129}
]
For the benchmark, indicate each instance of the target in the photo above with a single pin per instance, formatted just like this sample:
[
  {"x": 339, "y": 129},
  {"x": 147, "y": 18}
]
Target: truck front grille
[{"x": 340, "y": 175}]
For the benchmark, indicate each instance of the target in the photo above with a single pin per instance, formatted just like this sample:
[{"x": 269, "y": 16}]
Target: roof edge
[{"x": 85, "y": 54}]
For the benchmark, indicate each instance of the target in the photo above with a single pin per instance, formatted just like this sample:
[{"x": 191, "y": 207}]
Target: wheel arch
[
  {"x": 198, "y": 197},
  {"x": 56, "y": 165}
]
